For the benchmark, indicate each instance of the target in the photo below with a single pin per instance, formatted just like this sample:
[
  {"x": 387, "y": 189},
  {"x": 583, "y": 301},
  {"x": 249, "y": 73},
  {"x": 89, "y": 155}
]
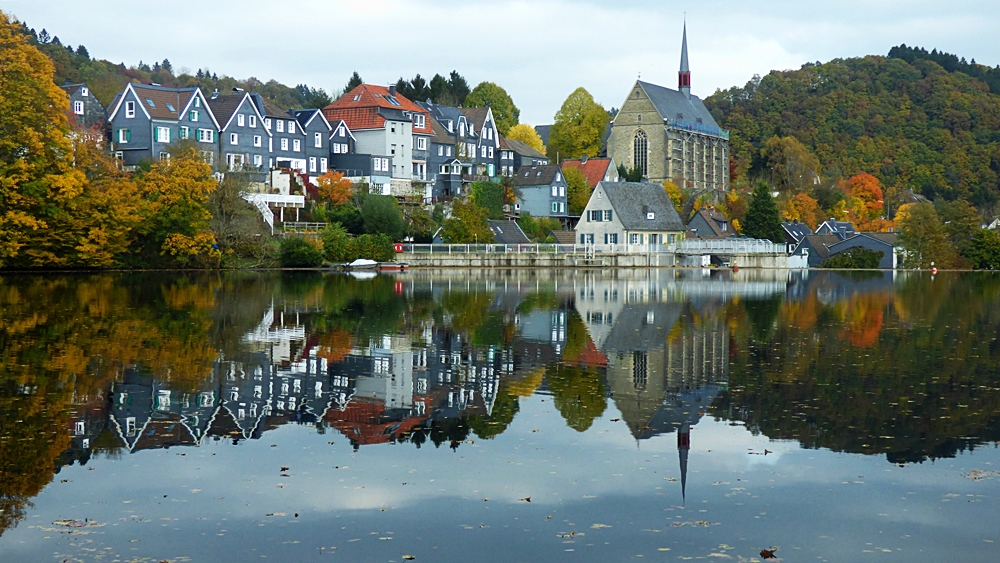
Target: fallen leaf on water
[
  {"x": 599, "y": 526},
  {"x": 525, "y": 499},
  {"x": 768, "y": 553},
  {"x": 283, "y": 469},
  {"x": 409, "y": 557}
]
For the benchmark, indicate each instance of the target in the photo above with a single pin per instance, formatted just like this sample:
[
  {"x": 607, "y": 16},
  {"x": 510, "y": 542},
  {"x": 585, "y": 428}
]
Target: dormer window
[
  {"x": 84, "y": 91},
  {"x": 150, "y": 102},
  {"x": 650, "y": 215},
  {"x": 170, "y": 107}
]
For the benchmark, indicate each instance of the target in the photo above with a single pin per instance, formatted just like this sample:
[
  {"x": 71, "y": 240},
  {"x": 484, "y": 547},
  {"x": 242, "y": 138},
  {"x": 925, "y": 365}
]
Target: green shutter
[{"x": 128, "y": 135}]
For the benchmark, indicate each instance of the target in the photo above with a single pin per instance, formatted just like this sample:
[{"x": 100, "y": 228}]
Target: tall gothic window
[{"x": 640, "y": 146}]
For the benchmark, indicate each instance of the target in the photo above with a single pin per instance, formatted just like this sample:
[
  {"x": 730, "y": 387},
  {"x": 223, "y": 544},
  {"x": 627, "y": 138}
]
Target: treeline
[
  {"x": 951, "y": 63},
  {"x": 913, "y": 125}
]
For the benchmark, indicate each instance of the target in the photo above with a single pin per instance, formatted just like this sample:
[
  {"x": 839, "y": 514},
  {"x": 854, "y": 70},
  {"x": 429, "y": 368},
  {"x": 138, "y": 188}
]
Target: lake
[{"x": 525, "y": 415}]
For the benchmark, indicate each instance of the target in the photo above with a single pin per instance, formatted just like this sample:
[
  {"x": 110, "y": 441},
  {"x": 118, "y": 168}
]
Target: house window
[
  {"x": 613, "y": 238},
  {"x": 344, "y": 149},
  {"x": 197, "y": 102},
  {"x": 562, "y": 191},
  {"x": 419, "y": 121},
  {"x": 253, "y": 121},
  {"x": 725, "y": 226},
  {"x": 234, "y": 138},
  {"x": 129, "y": 110},
  {"x": 312, "y": 163},
  {"x": 322, "y": 165},
  {"x": 555, "y": 191},
  {"x": 208, "y": 157},
  {"x": 336, "y": 148},
  {"x": 392, "y": 150},
  {"x": 447, "y": 151},
  {"x": 164, "y": 156},
  {"x": 193, "y": 115},
  {"x": 607, "y": 214},
  {"x": 284, "y": 143},
  {"x": 119, "y": 155},
  {"x": 78, "y": 108},
  {"x": 281, "y": 126},
  {"x": 185, "y": 132},
  {"x": 440, "y": 150},
  {"x": 483, "y": 151},
  {"x": 555, "y": 207},
  {"x": 650, "y": 216},
  {"x": 257, "y": 141},
  {"x": 640, "y": 147},
  {"x": 296, "y": 144},
  {"x": 267, "y": 123},
  {"x": 318, "y": 140},
  {"x": 258, "y": 160},
  {"x": 241, "y": 120},
  {"x": 596, "y": 216},
  {"x": 588, "y": 239},
  {"x": 84, "y": 92},
  {"x": 385, "y": 164},
  {"x": 471, "y": 150},
  {"x": 162, "y": 134},
  {"x": 340, "y": 131},
  {"x": 491, "y": 150},
  {"x": 635, "y": 238},
  {"x": 206, "y": 135},
  {"x": 291, "y": 126},
  {"x": 421, "y": 143}
]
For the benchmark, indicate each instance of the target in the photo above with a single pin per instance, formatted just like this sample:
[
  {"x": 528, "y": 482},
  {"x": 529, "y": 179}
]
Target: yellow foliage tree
[
  {"x": 675, "y": 194},
  {"x": 526, "y": 134},
  {"x": 802, "y": 208}
]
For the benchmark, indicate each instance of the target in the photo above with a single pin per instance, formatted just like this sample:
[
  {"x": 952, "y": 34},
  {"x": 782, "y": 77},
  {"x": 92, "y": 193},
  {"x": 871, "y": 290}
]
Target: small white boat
[{"x": 362, "y": 264}]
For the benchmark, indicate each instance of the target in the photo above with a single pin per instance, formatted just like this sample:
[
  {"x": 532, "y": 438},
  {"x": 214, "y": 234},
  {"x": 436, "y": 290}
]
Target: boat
[
  {"x": 361, "y": 264},
  {"x": 393, "y": 266}
]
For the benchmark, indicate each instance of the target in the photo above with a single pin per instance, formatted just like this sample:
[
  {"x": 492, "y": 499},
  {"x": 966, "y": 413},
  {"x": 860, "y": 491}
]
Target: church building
[{"x": 670, "y": 135}]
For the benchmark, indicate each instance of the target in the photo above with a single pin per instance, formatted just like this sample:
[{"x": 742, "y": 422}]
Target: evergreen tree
[
  {"x": 353, "y": 82},
  {"x": 763, "y": 220}
]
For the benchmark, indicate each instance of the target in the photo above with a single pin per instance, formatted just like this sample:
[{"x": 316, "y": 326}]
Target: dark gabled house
[
  {"x": 85, "y": 108},
  {"x": 243, "y": 137},
  {"x": 316, "y": 131},
  {"x": 795, "y": 231},
  {"x": 886, "y": 243},
  {"x": 842, "y": 229},
  {"x": 488, "y": 150},
  {"x": 508, "y": 232},
  {"x": 145, "y": 119},
  {"x": 523, "y": 155},
  {"x": 541, "y": 191},
  {"x": 818, "y": 248},
  {"x": 287, "y": 145},
  {"x": 710, "y": 223}
]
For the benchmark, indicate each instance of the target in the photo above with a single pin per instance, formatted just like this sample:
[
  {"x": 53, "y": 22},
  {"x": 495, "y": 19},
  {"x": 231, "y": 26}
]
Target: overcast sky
[{"x": 539, "y": 50}]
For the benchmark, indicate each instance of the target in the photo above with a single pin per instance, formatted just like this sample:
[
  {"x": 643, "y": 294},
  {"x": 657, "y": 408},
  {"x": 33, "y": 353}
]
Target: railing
[
  {"x": 587, "y": 249},
  {"x": 261, "y": 206},
  {"x": 278, "y": 200},
  {"x": 731, "y": 246},
  {"x": 303, "y": 226},
  {"x": 699, "y": 127}
]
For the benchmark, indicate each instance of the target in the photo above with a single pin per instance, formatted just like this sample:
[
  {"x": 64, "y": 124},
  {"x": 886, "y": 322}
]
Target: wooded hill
[{"x": 905, "y": 118}]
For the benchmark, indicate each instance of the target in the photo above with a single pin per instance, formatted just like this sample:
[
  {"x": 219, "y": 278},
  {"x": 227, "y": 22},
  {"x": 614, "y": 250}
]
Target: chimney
[
  {"x": 392, "y": 90},
  {"x": 237, "y": 89},
  {"x": 215, "y": 93},
  {"x": 583, "y": 158}
]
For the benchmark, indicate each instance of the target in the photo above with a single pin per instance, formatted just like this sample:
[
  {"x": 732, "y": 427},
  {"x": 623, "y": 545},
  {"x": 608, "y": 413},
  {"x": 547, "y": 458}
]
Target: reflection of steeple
[{"x": 683, "y": 446}]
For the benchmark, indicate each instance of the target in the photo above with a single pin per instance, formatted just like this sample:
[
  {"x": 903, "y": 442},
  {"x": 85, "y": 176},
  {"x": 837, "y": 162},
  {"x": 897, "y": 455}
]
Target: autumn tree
[
  {"x": 675, "y": 194},
  {"x": 577, "y": 190},
  {"x": 334, "y": 188},
  {"x": 763, "y": 220},
  {"x": 867, "y": 203},
  {"x": 578, "y": 128},
  {"x": 923, "y": 237},
  {"x": 239, "y": 229},
  {"x": 961, "y": 222},
  {"x": 467, "y": 224},
  {"x": 802, "y": 208},
  {"x": 490, "y": 95},
  {"x": 793, "y": 167},
  {"x": 526, "y": 134}
]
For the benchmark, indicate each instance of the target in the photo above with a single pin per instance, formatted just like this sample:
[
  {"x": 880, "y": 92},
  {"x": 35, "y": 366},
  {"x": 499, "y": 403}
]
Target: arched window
[{"x": 640, "y": 146}]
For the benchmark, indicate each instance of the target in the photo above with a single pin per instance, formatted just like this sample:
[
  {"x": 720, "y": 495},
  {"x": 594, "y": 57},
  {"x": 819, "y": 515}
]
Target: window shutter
[{"x": 128, "y": 135}]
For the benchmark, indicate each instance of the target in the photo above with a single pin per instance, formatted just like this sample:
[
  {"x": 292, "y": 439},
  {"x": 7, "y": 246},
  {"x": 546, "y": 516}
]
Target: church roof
[{"x": 677, "y": 107}]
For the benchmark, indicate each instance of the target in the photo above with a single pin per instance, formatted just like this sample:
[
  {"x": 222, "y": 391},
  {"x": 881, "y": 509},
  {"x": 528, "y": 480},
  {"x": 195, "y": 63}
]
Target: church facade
[{"x": 670, "y": 135}]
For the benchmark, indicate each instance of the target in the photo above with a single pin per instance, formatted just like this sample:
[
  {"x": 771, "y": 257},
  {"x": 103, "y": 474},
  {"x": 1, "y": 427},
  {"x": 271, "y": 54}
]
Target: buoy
[
  {"x": 735, "y": 268},
  {"x": 934, "y": 271}
]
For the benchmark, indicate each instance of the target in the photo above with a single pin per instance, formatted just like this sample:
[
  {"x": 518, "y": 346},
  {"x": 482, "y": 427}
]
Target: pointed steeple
[
  {"x": 683, "y": 447},
  {"x": 684, "y": 76}
]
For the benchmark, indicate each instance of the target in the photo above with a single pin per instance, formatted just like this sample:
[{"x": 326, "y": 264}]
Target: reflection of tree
[
  {"x": 576, "y": 337},
  {"x": 505, "y": 406},
  {"x": 578, "y": 393},
  {"x": 762, "y": 314},
  {"x": 910, "y": 374}
]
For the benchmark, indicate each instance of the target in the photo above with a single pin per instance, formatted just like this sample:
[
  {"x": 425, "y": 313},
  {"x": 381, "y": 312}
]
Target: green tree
[
  {"x": 489, "y": 196},
  {"x": 538, "y": 228},
  {"x": 337, "y": 244},
  {"x": 924, "y": 238},
  {"x": 381, "y": 214},
  {"x": 242, "y": 236},
  {"x": 353, "y": 82},
  {"x": 578, "y": 128},
  {"x": 763, "y": 220},
  {"x": 490, "y": 95},
  {"x": 577, "y": 190},
  {"x": 857, "y": 258},
  {"x": 961, "y": 221},
  {"x": 984, "y": 251},
  {"x": 793, "y": 167},
  {"x": 297, "y": 252},
  {"x": 629, "y": 174},
  {"x": 467, "y": 224}
]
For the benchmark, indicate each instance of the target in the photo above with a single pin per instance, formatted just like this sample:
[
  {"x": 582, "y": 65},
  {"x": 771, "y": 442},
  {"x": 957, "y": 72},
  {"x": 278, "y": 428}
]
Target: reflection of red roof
[
  {"x": 591, "y": 357},
  {"x": 363, "y": 113},
  {"x": 593, "y": 170},
  {"x": 363, "y": 423}
]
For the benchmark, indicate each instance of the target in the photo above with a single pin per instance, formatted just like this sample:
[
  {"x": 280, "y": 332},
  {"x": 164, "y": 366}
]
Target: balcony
[{"x": 475, "y": 178}]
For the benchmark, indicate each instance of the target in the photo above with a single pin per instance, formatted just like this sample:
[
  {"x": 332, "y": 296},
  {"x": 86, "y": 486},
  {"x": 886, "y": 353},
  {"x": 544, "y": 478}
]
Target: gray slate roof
[
  {"x": 523, "y": 149},
  {"x": 543, "y": 132},
  {"x": 796, "y": 229},
  {"x": 223, "y": 107},
  {"x": 508, "y": 232},
  {"x": 632, "y": 200},
  {"x": 537, "y": 175},
  {"x": 674, "y": 105}
]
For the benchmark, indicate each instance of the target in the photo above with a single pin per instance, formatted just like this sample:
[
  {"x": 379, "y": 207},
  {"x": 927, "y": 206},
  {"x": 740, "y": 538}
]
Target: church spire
[
  {"x": 683, "y": 447},
  {"x": 684, "y": 76}
]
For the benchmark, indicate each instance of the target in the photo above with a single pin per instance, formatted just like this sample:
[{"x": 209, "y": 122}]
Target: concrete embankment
[{"x": 571, "y": 260}]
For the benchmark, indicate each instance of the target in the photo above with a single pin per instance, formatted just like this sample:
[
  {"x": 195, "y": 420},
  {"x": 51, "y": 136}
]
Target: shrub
[
  {"x": 297, "y": 252},
  {"x": 856, "y": 258}
]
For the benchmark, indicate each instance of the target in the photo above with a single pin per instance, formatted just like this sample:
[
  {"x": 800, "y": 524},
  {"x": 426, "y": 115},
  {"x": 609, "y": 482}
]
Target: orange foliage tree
[
  {"x": 867, "y": 203},
  {"x": 802, "y": 208},
  {"x": 334, "y": 188}
]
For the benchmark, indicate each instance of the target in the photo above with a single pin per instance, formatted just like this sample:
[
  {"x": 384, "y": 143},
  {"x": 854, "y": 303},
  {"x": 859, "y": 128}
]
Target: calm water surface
[{"x": 500, "y": 416}]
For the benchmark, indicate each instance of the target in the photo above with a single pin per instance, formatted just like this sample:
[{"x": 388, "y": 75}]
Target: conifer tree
[{"x": 763, "y": 220}]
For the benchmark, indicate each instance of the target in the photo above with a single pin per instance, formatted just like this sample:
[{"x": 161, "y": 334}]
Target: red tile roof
[
  {"x": 593, "y": 170},
  {"x": 363, "y": 113}
]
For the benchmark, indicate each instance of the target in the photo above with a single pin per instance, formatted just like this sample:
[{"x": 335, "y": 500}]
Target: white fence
[
  {"x": 731, "y": 246},
  {"x": 695, "y": 246}
]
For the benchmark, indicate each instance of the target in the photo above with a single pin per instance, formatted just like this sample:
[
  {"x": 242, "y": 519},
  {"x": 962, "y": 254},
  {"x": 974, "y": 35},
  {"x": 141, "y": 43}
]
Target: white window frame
[
  {"x": 345, "y": 148},
  {"x": 281, "y": 125},
  {"x": 267, "y": 123},
  {"x": 440, "y": 150},
  {"x": 318, "y": 140},
  {"x": 253, "y": 121},
  {"x": 257, "y": 141},
  {"x": 284, "y": 143},
  {"x": 193, "y": 116},
  {"x": 448, "y": 150},
  {"x": 258, "y": 160},
  {"x": 421, "y": 143},
  {"x": 555, "y": 207},
  {"x": 78, "y": 107},
  {"x": 555, "y": 191},
  {"x": 323, "y": 165},
  {"x": 234, "y": 138},
  {"x": 241, "y": 120},
  {"x": 483, "y": 151},
  {"x": 312, "y": 164},
  {"x": 296, "y": 144},
  {"x": 122, "y": 136},
  {"x": 205, "y": 135},
  {"x": 291, "y": 127},
  {"x": 377, "y": 165},
  {"x": 185, "y": 132},
  {"x": 491, "y": 150},
  {"x": 336, "y": 148},
  {"x": 84, "y": 91},
  {"x": 129, "y": 109},
  {"x": 162, "y": 134}
]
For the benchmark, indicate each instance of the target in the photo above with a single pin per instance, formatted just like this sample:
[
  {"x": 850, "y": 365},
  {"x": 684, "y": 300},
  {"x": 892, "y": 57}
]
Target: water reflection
[{"x": 904, "y": 366}]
